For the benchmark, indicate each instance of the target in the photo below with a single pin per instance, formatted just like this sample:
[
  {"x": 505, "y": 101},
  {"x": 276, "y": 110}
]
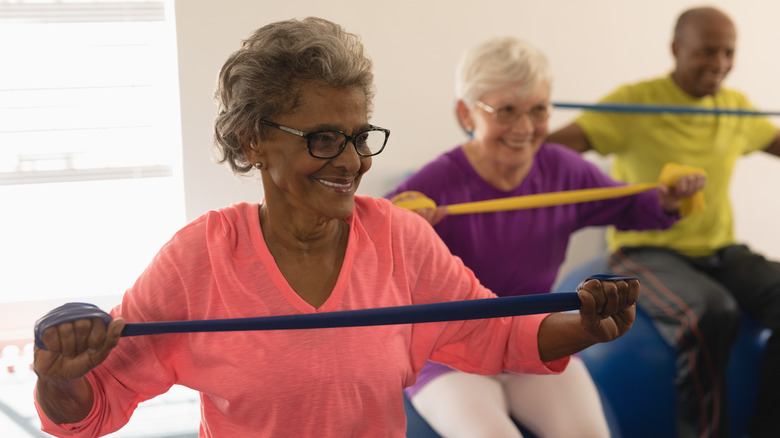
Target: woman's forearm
[
  {"x": 561, "y": 335},
  {"x": 69, "y": 403}
]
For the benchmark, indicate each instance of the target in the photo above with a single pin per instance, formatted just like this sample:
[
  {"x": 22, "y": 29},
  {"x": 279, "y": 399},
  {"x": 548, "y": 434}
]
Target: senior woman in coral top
[{"x": 295, "y": 107}]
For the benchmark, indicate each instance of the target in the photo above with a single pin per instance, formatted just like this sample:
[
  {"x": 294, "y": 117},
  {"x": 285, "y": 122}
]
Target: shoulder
[
  {"x": 556, "y": 156},
  {"x": 224, "y": 227},
  {"x": 735, "y": 98},
  {"x": 369, "y": 210},
  {"x": 376, "y": 213},
  {"x": 381, "y": 221},
  {"x": 443, "y": 165},
  {"x": 647, "y": 89},
  {"x": 231, "y": 220},
  {"x": 555, "y": 151},
  {"x": 436, "y": 174},
  {"x": 570, "y": 167}
]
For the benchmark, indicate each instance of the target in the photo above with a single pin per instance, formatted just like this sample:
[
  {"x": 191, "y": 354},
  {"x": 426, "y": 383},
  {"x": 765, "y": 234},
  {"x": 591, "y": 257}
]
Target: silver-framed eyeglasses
[
  {"x": 328, "y": 144},
  {"x": 508, "y": 114}
]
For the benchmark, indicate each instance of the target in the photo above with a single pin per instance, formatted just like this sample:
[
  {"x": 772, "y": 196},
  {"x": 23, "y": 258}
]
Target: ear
[
  {"x": 675, "y": 48},
  {"x": 463, "y": 112},
  {"x": 251, "y": 150}
]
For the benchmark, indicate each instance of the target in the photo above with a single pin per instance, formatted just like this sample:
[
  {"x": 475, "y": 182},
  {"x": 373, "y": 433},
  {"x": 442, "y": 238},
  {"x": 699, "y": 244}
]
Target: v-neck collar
[{"x": 284, "y": 288}]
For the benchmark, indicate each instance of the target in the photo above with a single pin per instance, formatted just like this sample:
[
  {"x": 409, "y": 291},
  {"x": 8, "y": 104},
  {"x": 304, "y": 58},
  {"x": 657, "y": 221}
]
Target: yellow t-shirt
[{"x": 642, "y": 143}]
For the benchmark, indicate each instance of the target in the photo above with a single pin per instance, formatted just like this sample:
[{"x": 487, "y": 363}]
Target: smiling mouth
[
  {"x": 516, "y": 144},
  {"x": 714, "y": 77},
  {"x": 341, "y": 186}
]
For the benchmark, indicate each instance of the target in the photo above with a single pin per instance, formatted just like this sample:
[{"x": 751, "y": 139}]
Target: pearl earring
[{"x": 258, "y": 165}]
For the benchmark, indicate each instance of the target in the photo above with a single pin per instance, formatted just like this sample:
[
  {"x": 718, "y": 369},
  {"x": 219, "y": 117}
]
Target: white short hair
[{"x": 499, "y": 62}]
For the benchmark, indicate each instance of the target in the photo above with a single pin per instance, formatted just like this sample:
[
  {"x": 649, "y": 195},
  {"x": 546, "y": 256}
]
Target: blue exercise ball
[{"x": 635, "y": 372}]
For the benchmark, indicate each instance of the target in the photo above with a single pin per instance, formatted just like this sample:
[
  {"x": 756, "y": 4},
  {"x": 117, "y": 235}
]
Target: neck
[
  {"x": 303, "y": 235},
  {"x": 308, "y": 253},
  {"x": 676, "y": 80}
]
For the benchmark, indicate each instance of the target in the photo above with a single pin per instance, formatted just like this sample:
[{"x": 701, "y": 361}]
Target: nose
[
  {"x": 349, "y": 158},
  {"x": 523, "y": 123}
]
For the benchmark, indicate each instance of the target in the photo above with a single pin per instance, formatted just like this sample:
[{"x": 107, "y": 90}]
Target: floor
[{"x": 172, "y": 415}]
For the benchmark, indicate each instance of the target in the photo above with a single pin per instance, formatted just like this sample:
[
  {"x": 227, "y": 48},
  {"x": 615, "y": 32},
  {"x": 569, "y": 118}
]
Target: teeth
[
  {"x": 516, "y": 145},
  {"x": 332, "y": 184}
]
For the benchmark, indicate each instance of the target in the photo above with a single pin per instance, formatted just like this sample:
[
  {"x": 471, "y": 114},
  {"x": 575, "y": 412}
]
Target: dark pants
[{"x": 696, "y": 304}]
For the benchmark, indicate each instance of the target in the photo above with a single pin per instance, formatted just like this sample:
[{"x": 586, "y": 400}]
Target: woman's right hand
[
  {"x": 432, "y": 215},
  {"x": 74, "y": 348}
]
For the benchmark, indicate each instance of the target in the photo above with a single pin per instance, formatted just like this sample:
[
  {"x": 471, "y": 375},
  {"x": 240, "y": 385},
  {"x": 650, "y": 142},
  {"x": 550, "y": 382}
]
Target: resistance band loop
[
  {"x": 670, "y": 173},
  {"x": 677, "y": 109}
]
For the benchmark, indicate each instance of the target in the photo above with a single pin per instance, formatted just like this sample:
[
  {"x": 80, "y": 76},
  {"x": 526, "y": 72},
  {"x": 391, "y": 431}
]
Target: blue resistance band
[
  {"x": 679, "y": 109},
  {"x": 418, "y": 313},
  {"x": 432, "y": 312}
]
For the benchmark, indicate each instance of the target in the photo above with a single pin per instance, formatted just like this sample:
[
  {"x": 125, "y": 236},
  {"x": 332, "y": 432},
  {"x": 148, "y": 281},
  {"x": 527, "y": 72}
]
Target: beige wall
[{"x": 593, "y": 46}]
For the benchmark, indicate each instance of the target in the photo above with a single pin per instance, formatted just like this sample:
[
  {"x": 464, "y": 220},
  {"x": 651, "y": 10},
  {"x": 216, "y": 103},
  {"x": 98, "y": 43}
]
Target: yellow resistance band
[{"x": 669, "y": 176}]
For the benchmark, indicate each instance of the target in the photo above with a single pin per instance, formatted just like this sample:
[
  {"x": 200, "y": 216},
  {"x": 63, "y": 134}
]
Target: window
[
  {"x": 88, "y": 91},
  {"x": 90, "y": 179},
  {"x": 89, "y": 144}
]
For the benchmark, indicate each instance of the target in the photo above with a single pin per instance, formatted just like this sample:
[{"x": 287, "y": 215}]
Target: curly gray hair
[{"x": 266, "y": 76}]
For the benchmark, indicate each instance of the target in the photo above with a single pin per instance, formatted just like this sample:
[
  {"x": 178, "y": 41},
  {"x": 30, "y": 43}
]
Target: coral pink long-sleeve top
[{"x": 338, "y": 382}]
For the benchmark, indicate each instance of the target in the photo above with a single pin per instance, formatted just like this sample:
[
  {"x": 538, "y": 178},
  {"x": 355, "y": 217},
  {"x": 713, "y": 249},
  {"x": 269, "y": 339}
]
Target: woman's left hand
[
  {"x": 685, "y": 187},
  {"x": 608, "y": 307}
]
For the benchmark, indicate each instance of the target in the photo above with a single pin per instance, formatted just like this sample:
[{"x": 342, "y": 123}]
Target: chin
[
  {"x": 710, "y": 89},
  {"x": 344, "y": 208}
]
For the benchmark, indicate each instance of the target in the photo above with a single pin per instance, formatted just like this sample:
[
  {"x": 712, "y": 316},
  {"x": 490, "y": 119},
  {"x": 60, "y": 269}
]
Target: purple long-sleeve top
[{"x": 519, "y": 252}]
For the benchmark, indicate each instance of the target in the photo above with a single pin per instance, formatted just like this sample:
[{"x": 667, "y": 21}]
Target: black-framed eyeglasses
[
  {"x": 327, "y": 144},
  {"x": 508, "y": 114}
]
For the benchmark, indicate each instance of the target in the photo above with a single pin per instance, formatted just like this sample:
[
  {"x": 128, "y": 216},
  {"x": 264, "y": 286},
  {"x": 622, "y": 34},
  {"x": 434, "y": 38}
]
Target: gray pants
[{"x": 696, "y": 303}]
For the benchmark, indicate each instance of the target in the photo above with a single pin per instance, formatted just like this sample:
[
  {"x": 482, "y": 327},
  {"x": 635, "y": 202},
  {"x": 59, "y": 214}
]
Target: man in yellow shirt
[{"x": 695, "y": 276}]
